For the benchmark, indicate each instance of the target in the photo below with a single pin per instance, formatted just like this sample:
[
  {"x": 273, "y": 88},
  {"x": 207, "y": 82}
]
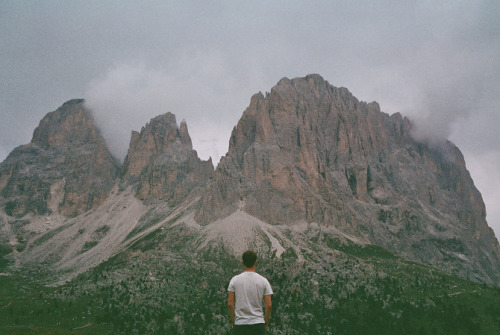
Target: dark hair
[{"x": 249, "y": 258}]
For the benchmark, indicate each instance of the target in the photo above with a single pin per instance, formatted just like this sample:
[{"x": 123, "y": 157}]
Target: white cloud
[
  {"x": 3, "y": 153},
  {"x": 197, "y": 88},
  {"x": 124, "y": 99}
]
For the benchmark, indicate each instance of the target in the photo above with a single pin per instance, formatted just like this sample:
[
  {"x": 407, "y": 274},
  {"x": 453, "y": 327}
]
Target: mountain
[
  {"x": 161, "y": 160},
  {"x": 345, "y": 208},
  {"x": 310, "y": 152},
  {"x": 66, "y": 168}
]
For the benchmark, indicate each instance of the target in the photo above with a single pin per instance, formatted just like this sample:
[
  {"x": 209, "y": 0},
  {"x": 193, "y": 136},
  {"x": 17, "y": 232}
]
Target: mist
[{"x": 203, "y": 93}]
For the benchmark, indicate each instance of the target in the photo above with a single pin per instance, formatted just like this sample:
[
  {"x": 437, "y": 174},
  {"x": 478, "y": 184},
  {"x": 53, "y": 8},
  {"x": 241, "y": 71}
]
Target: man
[{"x": 246, "y": 293}]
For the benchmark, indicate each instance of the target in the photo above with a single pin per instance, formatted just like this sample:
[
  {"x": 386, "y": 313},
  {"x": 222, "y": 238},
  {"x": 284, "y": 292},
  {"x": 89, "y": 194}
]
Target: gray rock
[
  {"x": 66, "y": 168},
  {"x": 162, "y": 163},
  {"x": 308, "y": 151}
]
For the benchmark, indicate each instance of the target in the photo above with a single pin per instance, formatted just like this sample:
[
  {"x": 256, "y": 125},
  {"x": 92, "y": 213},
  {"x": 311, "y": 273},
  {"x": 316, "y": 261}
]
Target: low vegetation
[{"x": 154, "y": 289}]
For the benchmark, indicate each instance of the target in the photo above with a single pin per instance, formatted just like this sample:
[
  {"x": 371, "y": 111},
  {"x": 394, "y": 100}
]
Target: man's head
[{"x": 249, "y": 258}]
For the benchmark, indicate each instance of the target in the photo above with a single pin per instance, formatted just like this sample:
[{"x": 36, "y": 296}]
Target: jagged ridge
[{"x": 307, "y": 154}]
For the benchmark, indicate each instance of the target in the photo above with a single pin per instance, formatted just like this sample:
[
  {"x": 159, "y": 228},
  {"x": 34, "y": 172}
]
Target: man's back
[
  {"x": 246, "y": 292},
  {"x": 249, "y": 289}
]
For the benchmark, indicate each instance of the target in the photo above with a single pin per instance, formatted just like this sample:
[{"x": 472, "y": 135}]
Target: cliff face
[
  {"x": 162, "y": 162},
  {"x": 308, "y": 151},
  {"x": 66, "y": 168},
  {"x": 306, "y": 146}
]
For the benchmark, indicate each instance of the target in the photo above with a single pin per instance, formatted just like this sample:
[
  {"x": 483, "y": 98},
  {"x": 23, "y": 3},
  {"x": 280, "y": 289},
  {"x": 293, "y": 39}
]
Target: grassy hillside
[{"x": 159, "y": 288}]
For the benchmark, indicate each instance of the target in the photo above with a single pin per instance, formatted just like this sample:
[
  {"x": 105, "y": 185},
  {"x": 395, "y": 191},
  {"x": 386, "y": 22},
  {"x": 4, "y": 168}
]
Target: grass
[
  {"x": 164, "y": 290},
  {"x": 29, "y": 308}
]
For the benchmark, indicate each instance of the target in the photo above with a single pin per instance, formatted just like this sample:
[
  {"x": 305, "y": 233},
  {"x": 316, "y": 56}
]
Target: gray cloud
[
  {"x": 198, "y": 88},
  {"x": 435, "y": 62}
]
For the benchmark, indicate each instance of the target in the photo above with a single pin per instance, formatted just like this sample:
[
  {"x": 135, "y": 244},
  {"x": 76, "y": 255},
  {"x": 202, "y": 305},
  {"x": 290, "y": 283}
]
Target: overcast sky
[{"x": 436, "y": 62}]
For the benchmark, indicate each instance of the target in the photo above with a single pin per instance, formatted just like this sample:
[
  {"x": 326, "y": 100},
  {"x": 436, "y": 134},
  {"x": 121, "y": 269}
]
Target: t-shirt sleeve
[
  {"x": 268, "y": 290},
  {"x": 230, "y": 288}
]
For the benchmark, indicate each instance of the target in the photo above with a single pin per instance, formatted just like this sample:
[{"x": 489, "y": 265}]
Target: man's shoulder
[
  {"x": 249, "y": 275},
  {"x": 261, "y": 277},
  {"x": 256, "y": 277},
  {"x": 238, "y": 276}
]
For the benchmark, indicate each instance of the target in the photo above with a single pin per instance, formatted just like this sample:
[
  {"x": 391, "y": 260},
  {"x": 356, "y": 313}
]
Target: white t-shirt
[{"x": 249, "y": 289}]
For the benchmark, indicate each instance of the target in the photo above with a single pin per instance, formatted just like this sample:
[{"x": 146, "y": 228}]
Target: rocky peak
[
  {"x": 66, "y": 168},
  {"x": 162, "y": 162},
  {"x": 309, "y": 151},
  {"x": 69, "y": 123},
  {"x": 155, "y": 138},
  {"x": 184, "y": 134}
]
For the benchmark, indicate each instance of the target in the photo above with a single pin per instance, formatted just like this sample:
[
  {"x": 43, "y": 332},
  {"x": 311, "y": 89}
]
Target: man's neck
[{"x": 252, "y": 269}]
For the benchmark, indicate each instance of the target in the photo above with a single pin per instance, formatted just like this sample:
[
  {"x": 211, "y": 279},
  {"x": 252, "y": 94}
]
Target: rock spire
[{"x": 66, "y": 168}]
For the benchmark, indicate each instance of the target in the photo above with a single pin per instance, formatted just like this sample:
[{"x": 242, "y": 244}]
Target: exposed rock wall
[
  {"x": 307, "y": 145},
  {"x": 308, "y": 151},
  {"x": 162, "y": 162},
  {"x": 66, "y": 167}
]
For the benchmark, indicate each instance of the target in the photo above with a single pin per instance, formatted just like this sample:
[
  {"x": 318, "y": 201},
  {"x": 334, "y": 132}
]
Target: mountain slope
[{"x": 161, "y": 285}]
